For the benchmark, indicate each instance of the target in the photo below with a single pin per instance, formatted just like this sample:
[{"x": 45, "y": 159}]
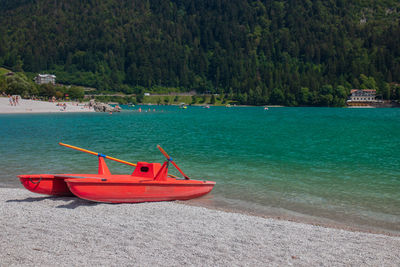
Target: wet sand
[{"x": 38, "y": 230}]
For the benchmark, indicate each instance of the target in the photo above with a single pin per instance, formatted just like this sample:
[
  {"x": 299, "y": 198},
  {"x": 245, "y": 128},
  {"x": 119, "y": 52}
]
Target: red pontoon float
[
  {"x": 47, "y": 184},
  {"x": 148, "y": 182}
]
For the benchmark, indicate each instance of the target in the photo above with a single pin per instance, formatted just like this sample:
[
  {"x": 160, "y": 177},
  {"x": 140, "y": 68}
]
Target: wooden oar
[
  {"x": 98, "y": 154},
  {"x": 173, "y": 163}
]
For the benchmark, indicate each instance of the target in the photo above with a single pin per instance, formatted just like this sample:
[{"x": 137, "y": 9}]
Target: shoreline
[
  {"x": 280, "y": 214},
  {"x": 291, "y": 216},
  {"x": 26, "y": 106},
  {"x": 43, "y": 230}
]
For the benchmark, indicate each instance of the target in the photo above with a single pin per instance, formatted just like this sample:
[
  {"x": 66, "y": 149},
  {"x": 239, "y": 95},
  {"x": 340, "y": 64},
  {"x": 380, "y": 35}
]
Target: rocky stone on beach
[{"x": 102, "y": 107}]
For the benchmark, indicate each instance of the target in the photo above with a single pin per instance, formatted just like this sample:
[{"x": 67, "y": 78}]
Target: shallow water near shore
[{"x": 334, "y": 164}]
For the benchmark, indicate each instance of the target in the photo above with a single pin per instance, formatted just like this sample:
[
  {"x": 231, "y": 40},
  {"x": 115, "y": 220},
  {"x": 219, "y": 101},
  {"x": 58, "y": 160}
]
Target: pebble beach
[{"x": 38, "y": 230}]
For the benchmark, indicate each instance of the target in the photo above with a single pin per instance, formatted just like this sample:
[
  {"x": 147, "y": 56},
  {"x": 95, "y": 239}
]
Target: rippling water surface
[{"x": 332, "y": 164}]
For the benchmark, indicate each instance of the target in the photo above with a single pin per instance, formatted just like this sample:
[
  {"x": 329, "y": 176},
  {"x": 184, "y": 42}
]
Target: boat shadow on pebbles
[{"x": 73, "y": 202}]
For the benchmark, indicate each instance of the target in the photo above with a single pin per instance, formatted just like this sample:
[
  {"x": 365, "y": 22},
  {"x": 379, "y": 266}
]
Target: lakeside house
[
  {"x": 362, "y": 97},
  {"x": 45, "y": 78}
]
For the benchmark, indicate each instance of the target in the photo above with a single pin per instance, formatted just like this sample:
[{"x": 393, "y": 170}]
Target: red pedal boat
[
  {"x": 47, "y": 184},
  {"x": 148, "y": 182}
]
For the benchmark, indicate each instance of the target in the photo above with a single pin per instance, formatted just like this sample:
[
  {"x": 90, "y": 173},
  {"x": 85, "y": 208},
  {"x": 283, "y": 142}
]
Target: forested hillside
[{"x": 294, "y": 52}]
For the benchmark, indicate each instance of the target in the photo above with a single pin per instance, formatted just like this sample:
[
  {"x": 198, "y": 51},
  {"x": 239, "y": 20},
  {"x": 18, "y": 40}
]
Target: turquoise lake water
[{"x": 335, "y": 165}]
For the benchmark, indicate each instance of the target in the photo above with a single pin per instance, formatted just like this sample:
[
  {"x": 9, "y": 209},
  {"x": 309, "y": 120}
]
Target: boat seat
[{"x": 147, "y": 170}]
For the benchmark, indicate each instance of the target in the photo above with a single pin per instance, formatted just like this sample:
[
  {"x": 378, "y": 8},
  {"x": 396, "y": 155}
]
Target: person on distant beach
[
  {"x": 14, "y": 101},
  {"x": 10, "y": 99},
  {"x": 17, "y": 99}
]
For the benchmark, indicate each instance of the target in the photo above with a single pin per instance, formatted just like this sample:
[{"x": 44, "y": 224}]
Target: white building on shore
[
  {"x": 45, "y": 78},
  {"x": 362, "y": 95}
]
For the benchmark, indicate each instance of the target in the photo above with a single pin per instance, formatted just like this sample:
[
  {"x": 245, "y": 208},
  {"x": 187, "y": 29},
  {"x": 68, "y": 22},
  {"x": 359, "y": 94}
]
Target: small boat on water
[{"x": 148, "y": 182}]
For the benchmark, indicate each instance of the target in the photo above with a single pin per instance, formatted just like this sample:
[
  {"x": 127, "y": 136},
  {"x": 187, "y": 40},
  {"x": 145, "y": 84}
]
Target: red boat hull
[
  {"x": 128, "y": 189},
  {"x": 46, "y": 184},
  {"x": 148, "y": 182}
]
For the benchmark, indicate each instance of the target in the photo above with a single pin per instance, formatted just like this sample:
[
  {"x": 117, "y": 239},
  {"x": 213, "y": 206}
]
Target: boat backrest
[
  {"x": 103, "y": 169},
  {"x": 148, "y": 170}
]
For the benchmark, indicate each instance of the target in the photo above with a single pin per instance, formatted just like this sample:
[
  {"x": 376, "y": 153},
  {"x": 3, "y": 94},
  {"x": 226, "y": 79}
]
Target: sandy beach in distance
[
  {"x": 35, "y": 106},
  {"x": 38, "y": 230}
]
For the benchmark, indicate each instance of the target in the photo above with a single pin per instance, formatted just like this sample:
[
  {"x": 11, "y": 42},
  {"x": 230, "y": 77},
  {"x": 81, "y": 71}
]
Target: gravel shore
[{"x": 38, "y": 230}]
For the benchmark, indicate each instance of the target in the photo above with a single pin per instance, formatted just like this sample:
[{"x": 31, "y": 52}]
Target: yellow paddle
[{"x": 98, "y": 154}]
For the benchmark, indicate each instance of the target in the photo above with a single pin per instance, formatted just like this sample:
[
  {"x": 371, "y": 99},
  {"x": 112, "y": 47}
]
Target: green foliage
[
  {"x": 118, "y": 99},
  {"x": 395, "y": 89},
  {"x": 75, "y": 92},
  {"x": 203, "y": 99},
  {"x": 254, "y": 52},
  {"x": 3, "y": 83},
  {"x": 4, "y": 71},
  {"x": 194, "y": 99},
  {"x": 47, "y": 90},
  {"x": 305, "y": 96},
  {"x": 277, "y": 97},
  {"x": 367, "y": 82},
  {"x": 139, "y": 98},
  {"x": 212, "y": 101},
  {"x": 17, "y": 84}
]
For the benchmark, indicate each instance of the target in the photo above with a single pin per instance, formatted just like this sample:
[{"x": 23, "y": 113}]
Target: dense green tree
[
  {"x": 255, "y": 52},
  {"x": 194, "y": 99},
  {"x": 75, "y": 92},
  {"x": 18, "y": 84},
  {"x": 139, "y": 98},
  {"x": 47, "y": 90},
  {"x": 396, "y": 91},
  {"x": 277, "y": 97},
  {"x": 304, "y": 96},
  {"x": 212, "y": 100},
  {"x": 367, "y": 82}
]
